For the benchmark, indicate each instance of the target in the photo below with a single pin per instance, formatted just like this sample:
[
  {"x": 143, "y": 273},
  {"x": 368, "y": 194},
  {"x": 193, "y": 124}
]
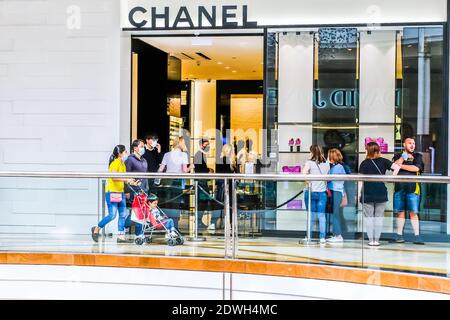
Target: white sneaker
[
  {"x": 322, "y": 241},
  {"x": 337, "y": 239}
]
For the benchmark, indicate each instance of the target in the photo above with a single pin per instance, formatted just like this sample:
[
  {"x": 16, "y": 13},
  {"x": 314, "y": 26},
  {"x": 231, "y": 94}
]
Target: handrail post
[
  {"x": 195, "y": 237},
  {"x": 226, "y": 214},
  {"x": 234, "y": 224},
  {"x": 307, "y": 240},
  {"x": 308, "y": 215}
]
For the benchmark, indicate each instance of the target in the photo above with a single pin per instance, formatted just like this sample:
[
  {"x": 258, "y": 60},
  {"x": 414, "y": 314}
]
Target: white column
[
  {"x": 377, "y": 94},
  {"x": 295, "y": 113},
  {"x": 377, "y": 77},
  {"x": 295, "y": 78}
]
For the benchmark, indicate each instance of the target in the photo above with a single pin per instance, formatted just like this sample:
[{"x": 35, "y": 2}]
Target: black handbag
[{"x": 329, "y": 206}]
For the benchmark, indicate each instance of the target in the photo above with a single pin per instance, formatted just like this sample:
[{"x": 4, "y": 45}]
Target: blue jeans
[
  {"x": 113, "y": 208},
  {"x": 318, "y": 205},
  {"x": 337, "y": 199},
  {"x": 174, "y": 214},
  {"x": 168, "y": 223},
  {"x": 138, "y": 229},
  {"x": 406, "y": 201}
]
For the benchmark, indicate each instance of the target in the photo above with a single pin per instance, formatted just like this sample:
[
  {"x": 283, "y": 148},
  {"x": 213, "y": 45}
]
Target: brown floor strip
[{"x": 296, "y": 270}]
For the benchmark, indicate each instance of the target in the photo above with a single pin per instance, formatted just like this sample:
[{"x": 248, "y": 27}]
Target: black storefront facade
[{"x": 334, "y": 76}]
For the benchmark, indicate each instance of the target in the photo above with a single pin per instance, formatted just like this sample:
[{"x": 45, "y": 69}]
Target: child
[{"x": 157, "y": 217}]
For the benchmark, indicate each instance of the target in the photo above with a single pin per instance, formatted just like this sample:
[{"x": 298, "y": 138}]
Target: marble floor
[{"x": 432, "y": 258}]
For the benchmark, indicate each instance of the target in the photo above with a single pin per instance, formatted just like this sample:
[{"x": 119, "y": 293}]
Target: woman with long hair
[
  {"x": 175, "y": 161},
  {"x": 374, "y": 194},
  {"x": 339, "y": 197},
  {"x": 115, "y": 195},
  {"x": 317, "y": 165}
]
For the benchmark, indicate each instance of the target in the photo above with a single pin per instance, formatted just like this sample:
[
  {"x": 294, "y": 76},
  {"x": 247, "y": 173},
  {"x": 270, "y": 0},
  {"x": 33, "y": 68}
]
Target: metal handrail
[{"x": 215, "y": 176}]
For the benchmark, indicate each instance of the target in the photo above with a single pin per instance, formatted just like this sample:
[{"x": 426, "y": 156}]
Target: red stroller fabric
[
  {"x": 155, "y": 223},
  {"x": 143, "y": 212},
  {"x": 140, "y": 207}
]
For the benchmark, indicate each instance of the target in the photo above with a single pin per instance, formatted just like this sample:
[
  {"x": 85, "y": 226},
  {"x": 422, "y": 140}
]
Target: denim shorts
[{"x": 406, "y": 201}]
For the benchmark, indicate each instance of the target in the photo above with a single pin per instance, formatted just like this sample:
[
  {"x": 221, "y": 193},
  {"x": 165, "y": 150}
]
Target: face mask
[
  {"x": 141, "y": 151},
  {"x": 125, "y": 157},
  {"x": 206, "y": 149},
  {"x": 154, "y": 143}
]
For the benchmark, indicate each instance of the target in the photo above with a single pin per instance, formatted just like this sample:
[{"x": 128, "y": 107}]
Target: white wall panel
[
  {"x": 295, "y": 84},
  {"x": 61, "y": 107},
  {"x": 377, "y": 77}
]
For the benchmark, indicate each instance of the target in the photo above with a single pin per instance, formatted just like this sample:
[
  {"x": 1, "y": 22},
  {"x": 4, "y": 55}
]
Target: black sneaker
[
  {"x": 418, "y": 240},
  {"x": 94, "y": 235},
  {"x": 398, "y": 238}
]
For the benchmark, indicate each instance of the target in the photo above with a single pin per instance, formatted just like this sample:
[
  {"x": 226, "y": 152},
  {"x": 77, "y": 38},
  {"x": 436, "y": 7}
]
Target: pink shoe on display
[
  {"x": 297, "y": 144},
  {"x": 291, "y": 144}
]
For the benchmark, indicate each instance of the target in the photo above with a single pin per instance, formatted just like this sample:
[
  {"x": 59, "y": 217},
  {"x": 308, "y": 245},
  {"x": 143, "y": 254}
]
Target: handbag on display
[
  {"x": 295, "y": 204},
  {"x": 291, "y": 169},
  {"x": 380, "y": 141},
  {"x": 115, "y": 197}
]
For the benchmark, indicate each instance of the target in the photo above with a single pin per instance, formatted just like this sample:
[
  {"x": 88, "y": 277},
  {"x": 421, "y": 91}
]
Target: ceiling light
[
  {"x": 227, "y": 68},
  {"x": 234, "y": 71},
  {"x": 219, "y": 62}
]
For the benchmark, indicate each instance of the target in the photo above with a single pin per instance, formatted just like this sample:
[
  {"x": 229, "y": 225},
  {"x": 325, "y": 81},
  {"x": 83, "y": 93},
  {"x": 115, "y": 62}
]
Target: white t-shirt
[
  {"x": 318, "y": 186},
  {"x": 174, "y": 161}
]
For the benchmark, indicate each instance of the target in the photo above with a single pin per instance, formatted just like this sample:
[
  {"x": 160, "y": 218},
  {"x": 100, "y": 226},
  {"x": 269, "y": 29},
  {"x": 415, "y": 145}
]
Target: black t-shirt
[
  {"x": 153, "y": 159},
  {"x": 417, "y": 161},
  {"x": 200, "y": 163},
  {"x": 375, "y": 192},
  {"x": 224, "y": 166}
]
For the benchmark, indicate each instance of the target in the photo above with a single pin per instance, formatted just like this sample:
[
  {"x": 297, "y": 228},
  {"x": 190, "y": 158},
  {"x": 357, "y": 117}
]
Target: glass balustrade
[{"x": 260, "y": 218}]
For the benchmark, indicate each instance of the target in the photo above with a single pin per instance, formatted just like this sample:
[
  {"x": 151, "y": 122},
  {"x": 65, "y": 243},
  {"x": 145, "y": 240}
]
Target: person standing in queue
[
  {"x": 200, "y": 162},
  {"x": 226, "y": 164},
  {"x": 115, "y": 195},
  {"x": 373, "y": 195},
  {"x": 153, "y": 156},
  {"x": 407, "y": 195},
  {"x": 338, "y": 195},
  {"x": 317, "y": 165}
]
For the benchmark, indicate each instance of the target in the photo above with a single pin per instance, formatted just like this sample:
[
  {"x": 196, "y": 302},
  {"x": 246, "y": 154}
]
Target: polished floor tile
[{"x": 433, "y": 258}]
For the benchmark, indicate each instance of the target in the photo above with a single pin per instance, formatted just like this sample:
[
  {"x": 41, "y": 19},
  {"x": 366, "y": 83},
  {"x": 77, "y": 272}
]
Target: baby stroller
[{"x": 151, "y": 221}]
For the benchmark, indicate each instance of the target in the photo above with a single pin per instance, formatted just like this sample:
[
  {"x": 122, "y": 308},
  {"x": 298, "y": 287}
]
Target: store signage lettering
[
  {"x": 339, "y": 98},
  {"x": 343, "y": 98},
  {"x": 140, "y": 17}
]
